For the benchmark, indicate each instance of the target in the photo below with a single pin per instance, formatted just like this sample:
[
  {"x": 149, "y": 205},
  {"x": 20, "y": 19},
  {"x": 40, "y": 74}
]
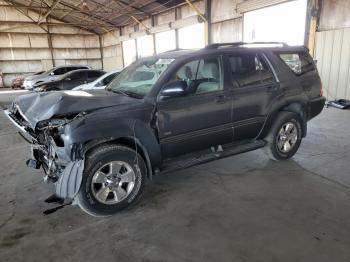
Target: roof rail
[{"x": 235, "y": 44}]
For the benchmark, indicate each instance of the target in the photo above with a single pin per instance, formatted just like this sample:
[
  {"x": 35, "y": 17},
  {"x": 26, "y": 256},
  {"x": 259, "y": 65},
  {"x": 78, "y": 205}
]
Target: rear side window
[
  {"x": 108, "y": 79},
  {"x": 299, "y": 63},
  {"x": 71, "y": 69},
  {"x": 250, "y": 69},
  {"x": 60, "y": 71},
  {"x": 78, "y": 75},
  {"x": 94, "y": 74}
]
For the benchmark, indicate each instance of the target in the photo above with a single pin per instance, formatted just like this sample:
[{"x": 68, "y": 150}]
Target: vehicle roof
[
  {"x": 87, "y": 70},
  {"x": 174, "y": 54},
  {"x": 82, "y": 70},
  {"x": 62, "y": 66}
]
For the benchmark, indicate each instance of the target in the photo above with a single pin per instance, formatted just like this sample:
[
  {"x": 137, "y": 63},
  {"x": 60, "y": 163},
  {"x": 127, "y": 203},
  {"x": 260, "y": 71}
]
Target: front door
[
  {"x": 201, "y": 118},
  {"x": 254, "y": 90}
]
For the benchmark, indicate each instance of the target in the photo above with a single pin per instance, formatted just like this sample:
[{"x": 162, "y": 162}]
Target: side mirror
[
  {"x": 68, "y": 79},
  {"x": 174, "y": 89},
  {"x": 52, "y": 73}
]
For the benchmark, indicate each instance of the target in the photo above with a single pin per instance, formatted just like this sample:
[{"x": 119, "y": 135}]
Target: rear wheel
[
  {"x": 113, "y": 179},
  {"x": 285, "y": 136}
]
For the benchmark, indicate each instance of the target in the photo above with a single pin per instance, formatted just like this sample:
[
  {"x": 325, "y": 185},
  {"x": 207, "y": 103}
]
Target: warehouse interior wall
[
  {"x": 332, "y": 50},
  {"x": 178, "y": 28},
  {"x": 167, "y": 30},
  {"x": 25, "y": 45}
]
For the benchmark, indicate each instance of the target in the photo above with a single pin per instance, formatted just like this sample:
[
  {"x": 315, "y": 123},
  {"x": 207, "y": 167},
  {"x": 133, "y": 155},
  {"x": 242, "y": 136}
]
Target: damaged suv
[{"x": 99, "y": 147}]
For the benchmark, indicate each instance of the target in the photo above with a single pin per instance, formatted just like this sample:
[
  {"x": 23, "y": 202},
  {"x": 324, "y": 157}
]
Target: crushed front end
[{"x": 62, "y": 162}]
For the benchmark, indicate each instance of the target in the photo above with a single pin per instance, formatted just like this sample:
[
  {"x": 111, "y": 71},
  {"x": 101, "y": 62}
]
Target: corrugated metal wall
[
  {"x": 227, "y": 23},
  {"x": 111, "y": 42},
  {"x": 333, "y": 49},
  {"x": 112, "y": 51},
  {"x": 24, "y": 48},
  {"x": 333, "y": 62}
]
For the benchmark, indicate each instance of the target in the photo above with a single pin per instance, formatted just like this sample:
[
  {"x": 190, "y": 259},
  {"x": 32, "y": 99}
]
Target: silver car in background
[
  {"x": 99, "y": 83},
  {"x": 50, "y": 75}
]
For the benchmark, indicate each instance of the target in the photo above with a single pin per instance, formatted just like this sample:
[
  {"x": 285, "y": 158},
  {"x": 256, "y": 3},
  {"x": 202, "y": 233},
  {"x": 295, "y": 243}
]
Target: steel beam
[{"x": 51, "y": 8}]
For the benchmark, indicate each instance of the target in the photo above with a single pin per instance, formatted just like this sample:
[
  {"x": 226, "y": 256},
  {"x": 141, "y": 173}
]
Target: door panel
[
  {"x": 254, "y": 91},
  {"x": 250, "y": 109},
  {"x": 199, "y": 119},
  {"x": 195, "y": 123}
]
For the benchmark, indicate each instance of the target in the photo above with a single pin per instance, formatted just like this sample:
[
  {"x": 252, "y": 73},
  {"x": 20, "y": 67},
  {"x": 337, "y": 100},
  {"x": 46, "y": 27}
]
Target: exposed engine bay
[
  {"x": 61, "y": 126},
  {"x": 61, "y": 164}
]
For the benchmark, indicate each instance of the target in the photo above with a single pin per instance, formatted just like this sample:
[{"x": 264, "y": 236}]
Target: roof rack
[{"x": 235, "y": 44}]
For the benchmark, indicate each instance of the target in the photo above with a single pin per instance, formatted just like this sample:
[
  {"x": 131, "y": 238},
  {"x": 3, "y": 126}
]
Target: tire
[
  {"x": 277, "y": 147},
  {"x": 98, "y": 167}
]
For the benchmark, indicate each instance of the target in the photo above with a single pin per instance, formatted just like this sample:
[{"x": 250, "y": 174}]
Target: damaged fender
[{"x": 84, "y": 132}]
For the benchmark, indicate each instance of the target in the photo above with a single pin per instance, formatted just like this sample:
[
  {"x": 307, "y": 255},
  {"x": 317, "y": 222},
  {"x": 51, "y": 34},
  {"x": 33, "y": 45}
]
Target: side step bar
[{"x": 202, "y": 157}]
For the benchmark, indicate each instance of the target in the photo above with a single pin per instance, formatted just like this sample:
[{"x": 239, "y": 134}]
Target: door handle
[{"x": 221, "y": 99}]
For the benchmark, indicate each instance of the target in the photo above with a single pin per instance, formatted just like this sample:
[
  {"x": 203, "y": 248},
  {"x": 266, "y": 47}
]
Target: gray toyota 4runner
[{"x": 167, "y": 112}]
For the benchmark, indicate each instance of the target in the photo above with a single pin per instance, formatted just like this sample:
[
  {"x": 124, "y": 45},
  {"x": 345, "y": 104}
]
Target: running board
[{"x": 205, "y": 156}]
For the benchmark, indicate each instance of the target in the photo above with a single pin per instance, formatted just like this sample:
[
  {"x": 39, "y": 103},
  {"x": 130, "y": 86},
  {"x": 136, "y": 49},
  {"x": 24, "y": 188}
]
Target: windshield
[
  {"x": 139, "y": 78},
  {"x": 48, "y": 71}
]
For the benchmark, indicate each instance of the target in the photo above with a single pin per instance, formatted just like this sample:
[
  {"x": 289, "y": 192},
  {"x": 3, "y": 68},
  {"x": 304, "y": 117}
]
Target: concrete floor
[{"x": 243, "y": 208}]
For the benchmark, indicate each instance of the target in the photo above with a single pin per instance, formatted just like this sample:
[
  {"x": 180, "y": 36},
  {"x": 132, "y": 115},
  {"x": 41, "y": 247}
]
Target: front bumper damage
[{"x": 61, "y": 163}]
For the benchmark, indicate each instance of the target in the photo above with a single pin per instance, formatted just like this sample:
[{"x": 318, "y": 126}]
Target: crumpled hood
[{"x": 37, "y": 107}]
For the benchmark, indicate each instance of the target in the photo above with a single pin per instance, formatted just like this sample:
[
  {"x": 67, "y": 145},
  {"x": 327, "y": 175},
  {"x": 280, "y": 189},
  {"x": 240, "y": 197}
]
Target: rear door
[{"x": 254, "y": 88}]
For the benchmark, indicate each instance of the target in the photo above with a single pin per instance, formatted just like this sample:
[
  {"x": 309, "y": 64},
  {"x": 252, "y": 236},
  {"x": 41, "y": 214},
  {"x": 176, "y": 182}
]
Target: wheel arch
[
  {"x": 131, "y": 142},
  {"x": 297, "y": 107}
]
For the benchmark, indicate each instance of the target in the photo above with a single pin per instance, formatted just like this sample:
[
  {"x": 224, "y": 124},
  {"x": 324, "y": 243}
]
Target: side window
[
  {"x": 71, "y": 68},
  {"x": 108, "y": 79},
  {"x": 94, "y": 74},
  {"x": 299, "y": 63},
  {"x": 201, "y": 76},
  {"x": 60, "y": 71},
  {"x": 250, "y": 69},
  {"x": 77, "y": 75}
]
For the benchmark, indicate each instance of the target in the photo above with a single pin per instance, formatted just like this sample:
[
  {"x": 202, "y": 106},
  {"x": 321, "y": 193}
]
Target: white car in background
[
  {"x": 143, "y": 77},
  {"x": 50, "y": 75},
  {"x": 99, "y": 83}
]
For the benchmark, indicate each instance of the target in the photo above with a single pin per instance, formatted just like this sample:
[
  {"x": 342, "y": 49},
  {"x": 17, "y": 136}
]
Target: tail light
[{"x": 321, "y": 90}]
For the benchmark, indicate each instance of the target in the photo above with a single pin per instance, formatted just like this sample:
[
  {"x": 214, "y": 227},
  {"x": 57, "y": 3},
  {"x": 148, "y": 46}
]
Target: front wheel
[
  {"x": 113, "y": 179},
  {"x": 285, "y": 136}
]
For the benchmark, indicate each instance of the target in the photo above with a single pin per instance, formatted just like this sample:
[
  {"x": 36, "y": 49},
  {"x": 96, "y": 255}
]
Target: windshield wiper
[{"x": 126, "y": 93}]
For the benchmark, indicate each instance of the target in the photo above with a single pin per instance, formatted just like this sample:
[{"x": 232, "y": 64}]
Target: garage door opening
[{"x": 283, "y": 22}]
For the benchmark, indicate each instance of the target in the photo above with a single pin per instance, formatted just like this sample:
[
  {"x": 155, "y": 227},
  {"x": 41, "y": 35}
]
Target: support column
[
  {"x": 101, "y": 50},
  {"x": 207, "y": 6},
  {"x": 50, "y": 43}
]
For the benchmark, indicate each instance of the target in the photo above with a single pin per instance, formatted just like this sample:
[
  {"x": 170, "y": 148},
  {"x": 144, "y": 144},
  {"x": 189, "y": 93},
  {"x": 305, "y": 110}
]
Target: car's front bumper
[
  {"x": 21, "y": 128},
  {"x": 59, "y": 168}
]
